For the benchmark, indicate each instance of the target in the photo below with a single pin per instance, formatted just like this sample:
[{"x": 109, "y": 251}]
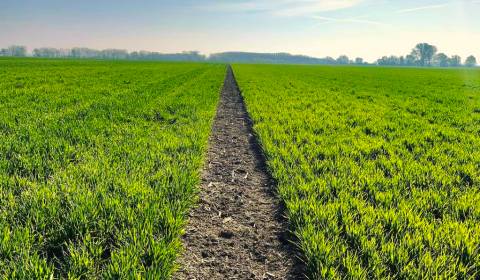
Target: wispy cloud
[
  {"x": 422, "y": 8},
  {"x": 287, "y": 8},
  {"x": 349, "y": 20}
]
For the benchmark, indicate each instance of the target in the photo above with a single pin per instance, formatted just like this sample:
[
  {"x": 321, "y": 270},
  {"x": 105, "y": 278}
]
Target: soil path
[{"x": 237, "y": 230}]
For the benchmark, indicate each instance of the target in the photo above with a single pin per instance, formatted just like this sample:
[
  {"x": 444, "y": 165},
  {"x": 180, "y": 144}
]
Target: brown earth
[{"x": 238, "y": 230}]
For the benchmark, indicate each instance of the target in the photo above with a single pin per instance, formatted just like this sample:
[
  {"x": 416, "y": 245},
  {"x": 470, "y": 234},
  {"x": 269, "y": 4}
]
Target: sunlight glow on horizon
[{"x": 357, "y": 28}]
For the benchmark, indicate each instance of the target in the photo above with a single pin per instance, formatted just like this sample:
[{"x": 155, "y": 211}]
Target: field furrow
[{"x": 236, "y": 231}]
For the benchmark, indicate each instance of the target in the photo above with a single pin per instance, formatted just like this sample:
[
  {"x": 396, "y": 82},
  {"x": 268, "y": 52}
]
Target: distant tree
[
  {"x": 424, "y": 53},
  {"x": 42, "y": 52},
  {"x": 343, "y": 59},
  {"x": 383, "y": 61},
  {"x": 85, "y": 53},
  {"x": 410, "y": 60},
  {"x": 455, "y": 61},
  {"x": 441, "y": 60},
  {"x": 330, "y": 60},
  {"x": 471, "y": 61},
  {"x": 358, "y": 60},
  {"x": 19, "y": 51},
  {"x": 114, "y": 54},
  {"x": 390, "y": 60},
  {"x": 51, "y": 52},
  {"x": 196, "y": 56},
  {"x": 14, "y": 51}
]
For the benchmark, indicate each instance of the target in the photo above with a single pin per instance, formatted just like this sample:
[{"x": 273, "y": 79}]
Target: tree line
[
  {"x": 426, "y": 55},
  {"x": 422, "y": 55},
  {"x": 116, "y": 54}
]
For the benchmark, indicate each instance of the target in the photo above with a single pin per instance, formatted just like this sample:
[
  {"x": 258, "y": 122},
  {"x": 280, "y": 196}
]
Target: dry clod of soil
[{"x": 236, "y": 232}]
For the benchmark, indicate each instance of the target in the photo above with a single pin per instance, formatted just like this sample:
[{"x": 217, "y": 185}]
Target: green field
[
  {"x": 379, "y": 167},
  {"x": 98, "y": 164}
]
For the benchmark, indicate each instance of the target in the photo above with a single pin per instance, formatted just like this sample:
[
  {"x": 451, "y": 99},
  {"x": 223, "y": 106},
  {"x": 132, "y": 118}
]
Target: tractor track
[{"x": 238, "y": 230}]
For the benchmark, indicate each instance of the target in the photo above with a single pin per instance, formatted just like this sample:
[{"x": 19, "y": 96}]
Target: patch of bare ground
[{"x": 237, "y": 231}]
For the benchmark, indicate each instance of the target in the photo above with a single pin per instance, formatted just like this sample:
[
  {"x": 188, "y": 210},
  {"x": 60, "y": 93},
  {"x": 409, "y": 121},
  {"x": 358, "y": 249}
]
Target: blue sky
[{"x": 366, "y": 28}]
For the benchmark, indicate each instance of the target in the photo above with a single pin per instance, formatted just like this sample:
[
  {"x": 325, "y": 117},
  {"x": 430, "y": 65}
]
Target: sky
[{"x": 357, "y": 28}]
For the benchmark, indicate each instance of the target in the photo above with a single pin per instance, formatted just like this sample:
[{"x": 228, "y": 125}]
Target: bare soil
[{"x": 238, "y": 230}]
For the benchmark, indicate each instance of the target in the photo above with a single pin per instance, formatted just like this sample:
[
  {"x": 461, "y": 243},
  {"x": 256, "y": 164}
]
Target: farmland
[
  {"x": 379, "y": 168},
  {"x": 98, "y": 164}
]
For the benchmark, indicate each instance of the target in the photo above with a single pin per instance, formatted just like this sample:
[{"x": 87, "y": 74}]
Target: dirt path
[{"x": 237, "y": 231}]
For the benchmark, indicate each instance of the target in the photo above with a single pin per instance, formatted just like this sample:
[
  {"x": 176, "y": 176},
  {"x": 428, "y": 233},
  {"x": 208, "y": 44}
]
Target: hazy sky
[{"x": 366, "y": 28}]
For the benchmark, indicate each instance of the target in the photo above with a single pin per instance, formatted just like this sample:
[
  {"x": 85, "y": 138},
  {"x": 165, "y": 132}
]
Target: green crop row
[
  {"x": 98, "y": 164},
  {"x": 379, "y": 168}
]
